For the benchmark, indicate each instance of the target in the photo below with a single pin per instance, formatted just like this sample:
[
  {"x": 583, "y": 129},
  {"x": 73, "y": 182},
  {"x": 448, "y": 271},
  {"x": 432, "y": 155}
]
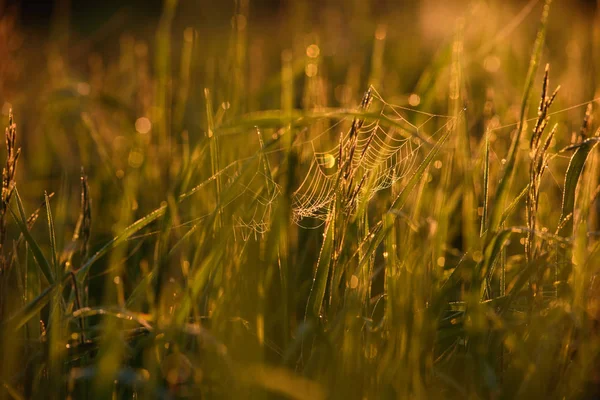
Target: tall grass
[{"x": 239, "y": 231}]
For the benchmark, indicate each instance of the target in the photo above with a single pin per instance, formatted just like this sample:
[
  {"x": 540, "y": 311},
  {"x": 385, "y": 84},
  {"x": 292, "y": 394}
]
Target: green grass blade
[
  {"x": 274, "y": 118},
  {"x": 513, "y": 205},
  {"x": 486, "y": 185},
  {"x": 21, "y": 221},
  {"x": 29, "y": 310},
  {"x": 121, "y": 238},
  {"x": 511, "y": 159},
  {"x": 574, "y": 171},
  {"x": 52, "y": 234},
  {"x": 214, "y": 151},
  {"x": 492, "y": 251},
  {"x": 319, "y": 284}
]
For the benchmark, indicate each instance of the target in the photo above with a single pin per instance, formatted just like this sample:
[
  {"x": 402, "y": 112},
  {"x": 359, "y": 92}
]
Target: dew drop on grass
[{"x": 354, "y": 282}]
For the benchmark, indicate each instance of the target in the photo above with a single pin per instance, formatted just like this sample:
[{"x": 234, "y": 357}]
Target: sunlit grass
[{"x": 278, "y": 216}]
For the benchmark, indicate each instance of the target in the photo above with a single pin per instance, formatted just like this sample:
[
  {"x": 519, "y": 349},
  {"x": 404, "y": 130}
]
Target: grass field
[{"x": 302, "y": 200}]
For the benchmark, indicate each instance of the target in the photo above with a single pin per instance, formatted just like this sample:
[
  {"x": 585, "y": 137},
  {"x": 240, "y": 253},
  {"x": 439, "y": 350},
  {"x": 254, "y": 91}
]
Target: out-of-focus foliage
[{"x": 300, "y": 199}]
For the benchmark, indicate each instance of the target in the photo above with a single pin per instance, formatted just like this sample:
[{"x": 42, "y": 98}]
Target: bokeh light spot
[
  {"x": 313, "y": 51},
  {"x": 143, "y": 125}
]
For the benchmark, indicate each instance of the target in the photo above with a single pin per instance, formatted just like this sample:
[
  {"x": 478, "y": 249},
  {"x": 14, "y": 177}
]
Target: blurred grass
[{"x": 200, "y": 254}]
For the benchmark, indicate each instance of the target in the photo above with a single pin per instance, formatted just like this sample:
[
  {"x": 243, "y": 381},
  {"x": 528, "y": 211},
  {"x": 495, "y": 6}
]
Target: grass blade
[
  {"x": 574, "y": 171},
  {"x": 52, "y": 234},
  {"x": 21, "y": 221},
  {"x": 319, "y": 284},
  {"x": 29, "y": 310},
  {"x": 486, "y": 185},
  {"x": 511, "y": 159}
]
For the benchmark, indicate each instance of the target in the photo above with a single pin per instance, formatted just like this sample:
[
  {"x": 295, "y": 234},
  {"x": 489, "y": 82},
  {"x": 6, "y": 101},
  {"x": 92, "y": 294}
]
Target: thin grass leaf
[
  {"x": 321, "y": 275},
  {"x": 29, "y": 310},
  {"x": 486, "y": 185},
  {"x": 214, "y": 151},
  {"x": 274, "y": 118},
  {"x": 12, "y": 391},
  {"x": 512, "y": 207},
  {"x": 121, "y": 238},
  {"x": 511, "y": 159},
  {"x": 574, "y": 170},
  {"x": 491, "y": 254},
  {"x": 52, "y": 234},
  {"x": 21, "y": 221}
]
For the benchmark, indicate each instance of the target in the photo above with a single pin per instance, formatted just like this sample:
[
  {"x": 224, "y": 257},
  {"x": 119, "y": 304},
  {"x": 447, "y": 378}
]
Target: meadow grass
[{"x": 258, "y": 220}]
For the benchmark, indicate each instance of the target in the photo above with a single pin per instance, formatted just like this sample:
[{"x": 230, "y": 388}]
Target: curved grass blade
[
  {"x": 492, "y": 252},
  {"x": 121, "y": 238},
  {"x": 574, "y": 171},
  {"x": 275, "y": 118},
  {"x": 12, "y": 391},
  {"x": 513, "y": 205},
  {"x": 29, "y": 310},
  {"x": 21, "y": 221}
]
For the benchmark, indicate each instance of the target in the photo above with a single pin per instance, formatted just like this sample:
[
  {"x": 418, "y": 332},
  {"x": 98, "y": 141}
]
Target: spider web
[
  {"x": 386, "y": 147},
  {"x": 385, "y": 153},
  {"x": 256, "y": 220},
  {"x": 392, "y": 157}
]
